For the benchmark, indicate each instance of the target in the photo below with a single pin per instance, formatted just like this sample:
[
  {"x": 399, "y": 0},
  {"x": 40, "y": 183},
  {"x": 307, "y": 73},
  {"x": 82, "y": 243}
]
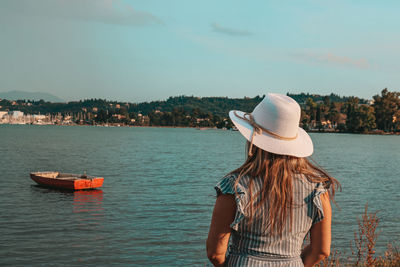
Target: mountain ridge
[{"x": 36, "y": 96}]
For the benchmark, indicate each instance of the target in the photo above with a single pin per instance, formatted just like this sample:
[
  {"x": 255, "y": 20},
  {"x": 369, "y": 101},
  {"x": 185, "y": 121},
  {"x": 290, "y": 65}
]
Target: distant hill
[
  {"x": 222, "y": 105},
  {"x": 302, "y": 98},
  {"x": 21, "y": 95},
  {"x": 215, "y": 105},
  {"x": 199, "y": 106}
]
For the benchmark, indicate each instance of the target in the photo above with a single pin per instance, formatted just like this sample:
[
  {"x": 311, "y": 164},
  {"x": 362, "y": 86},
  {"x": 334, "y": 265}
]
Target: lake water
[{"x": 155, "y": 206}]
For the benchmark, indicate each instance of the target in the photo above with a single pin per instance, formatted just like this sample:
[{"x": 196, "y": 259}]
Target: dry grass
[
  {"x": 363, "y": 247},
  {"x": 390, "y": 258},
  {"x": 333, "y": 260},
  {"x": 365, "y": 238}
]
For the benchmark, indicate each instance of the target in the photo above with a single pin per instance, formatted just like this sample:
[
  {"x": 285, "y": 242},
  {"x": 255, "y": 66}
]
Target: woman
[{"x": 267, "y": 206}]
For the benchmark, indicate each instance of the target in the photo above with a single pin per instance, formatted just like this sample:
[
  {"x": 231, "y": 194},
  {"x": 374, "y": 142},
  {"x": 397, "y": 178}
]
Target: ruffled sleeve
[
  {"x": 318, "y": 213},
  {"x": 227, "y": 186}
]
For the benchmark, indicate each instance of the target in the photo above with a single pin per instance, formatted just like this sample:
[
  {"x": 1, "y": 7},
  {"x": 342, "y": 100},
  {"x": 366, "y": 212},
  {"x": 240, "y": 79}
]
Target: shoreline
[
  {"x": 203, "y": 128},
  {"x": 367, "y": 133}
]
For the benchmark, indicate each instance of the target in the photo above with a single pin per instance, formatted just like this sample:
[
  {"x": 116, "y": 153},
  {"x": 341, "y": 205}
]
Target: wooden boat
[{"x": 67, "y": 180}]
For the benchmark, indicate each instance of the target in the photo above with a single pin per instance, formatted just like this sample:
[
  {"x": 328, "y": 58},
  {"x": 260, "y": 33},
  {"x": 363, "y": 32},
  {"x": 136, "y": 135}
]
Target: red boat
[{"x": 67, "y": 180}]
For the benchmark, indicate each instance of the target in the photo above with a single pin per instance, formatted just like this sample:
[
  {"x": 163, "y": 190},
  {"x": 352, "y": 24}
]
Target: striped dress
[{"x": 253, "y": 245}]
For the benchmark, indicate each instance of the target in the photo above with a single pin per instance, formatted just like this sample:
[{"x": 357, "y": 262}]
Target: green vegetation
[
  {"x": 351, "y": 114},
  {"x": 387, "y": 110},
  {"x": 330, "y": 113}
]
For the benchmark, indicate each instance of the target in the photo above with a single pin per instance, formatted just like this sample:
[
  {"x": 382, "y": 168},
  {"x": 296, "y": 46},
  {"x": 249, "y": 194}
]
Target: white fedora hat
[{"x": 274, "y": 126}]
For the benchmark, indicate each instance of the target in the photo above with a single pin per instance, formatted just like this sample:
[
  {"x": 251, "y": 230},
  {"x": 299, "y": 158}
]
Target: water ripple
[{"x": 155, "y": 206}]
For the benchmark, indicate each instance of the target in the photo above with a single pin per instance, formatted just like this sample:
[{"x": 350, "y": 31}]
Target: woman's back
[
  {"x": 253, "y": 244},
  {"x": 267, "y": 205}
]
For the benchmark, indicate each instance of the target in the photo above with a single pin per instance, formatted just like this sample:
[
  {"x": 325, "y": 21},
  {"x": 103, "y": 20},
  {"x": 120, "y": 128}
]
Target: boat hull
[{"x": 71, "y": 184}]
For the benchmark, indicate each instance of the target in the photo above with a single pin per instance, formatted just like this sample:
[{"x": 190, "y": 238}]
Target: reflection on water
[
  {"x": 88, "y": 201},
  {"x": 87, "y": 207}
]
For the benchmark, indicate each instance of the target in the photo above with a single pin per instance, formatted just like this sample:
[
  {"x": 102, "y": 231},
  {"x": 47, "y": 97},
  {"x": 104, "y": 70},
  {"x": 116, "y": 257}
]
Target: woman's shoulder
[
  {"x": 233, "y": 177},
  {"x": 231, "y": 184}
]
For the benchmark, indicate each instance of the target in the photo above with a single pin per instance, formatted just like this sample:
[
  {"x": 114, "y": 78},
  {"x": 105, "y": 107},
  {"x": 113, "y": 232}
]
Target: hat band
[{"x": 258, "y": 129}]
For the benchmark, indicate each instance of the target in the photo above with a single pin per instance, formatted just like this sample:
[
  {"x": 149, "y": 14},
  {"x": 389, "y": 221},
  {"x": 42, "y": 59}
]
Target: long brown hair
[{"x": 277, "y": 172}]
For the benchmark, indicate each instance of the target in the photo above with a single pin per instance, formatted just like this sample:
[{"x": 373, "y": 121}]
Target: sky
[{"x": 146, "y": 50}]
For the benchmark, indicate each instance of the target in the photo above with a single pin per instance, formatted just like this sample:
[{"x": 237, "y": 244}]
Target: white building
[
  {"x": 2, "y": 113},
  {"x": 39, "y": 117},
  {"x": 16, "y": 114}
]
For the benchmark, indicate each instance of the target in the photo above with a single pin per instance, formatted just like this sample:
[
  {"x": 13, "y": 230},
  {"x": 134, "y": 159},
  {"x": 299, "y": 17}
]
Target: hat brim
[{"x": 300, "y": 147}]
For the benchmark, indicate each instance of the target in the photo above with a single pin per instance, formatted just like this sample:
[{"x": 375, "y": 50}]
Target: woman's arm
[
  {"x": 320, "y": 245},
  {"x": 220, "y": 231}
]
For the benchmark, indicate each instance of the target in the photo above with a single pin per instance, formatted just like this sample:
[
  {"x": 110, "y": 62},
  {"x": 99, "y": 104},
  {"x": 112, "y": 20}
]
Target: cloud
[
  {"x": 248, "y": 49},
  {"x": 229, "y": 31},
  {"x": 105, "y": 11},
  {"x": 329, "y": 58}
]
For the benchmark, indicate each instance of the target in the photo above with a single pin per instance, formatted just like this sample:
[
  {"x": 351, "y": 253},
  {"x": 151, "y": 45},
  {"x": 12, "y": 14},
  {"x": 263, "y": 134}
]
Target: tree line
[
  {"x": 355, "y": 115},
  {"x": 319, "y": 113}
]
